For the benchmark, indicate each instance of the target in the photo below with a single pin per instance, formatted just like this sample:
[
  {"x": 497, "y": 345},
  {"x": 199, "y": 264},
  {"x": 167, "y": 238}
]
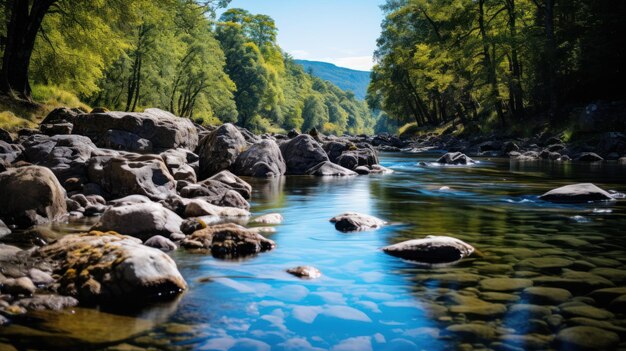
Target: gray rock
[
  {"x": 576, "y": 193},
  {"x": 161, "y": 128},
  {"x": 219, "y": 150},
  {"x": 132, "y": 175},
  {"x": 161, "y": 243},
  {"x": 362, "y": 170},
  {"x": 199, "y": 208},
  {"x": 18, "y": 286},
  {"x": 590, "y": 157},
  {"x": 270, "y": 218},
  {"x": 140, "y": 220},
  {"x": 47, "y": 302},
  {"x": 306, "y": 272},
  {"x": 548, "y": 296},
  {"x": 56, "y": 129},
  {"x": 178, "y": 162},
  {"x": 228, "y": 241},
  {"x": 586, "y": 311},
  {"x": 505, "y": 284},
  {"x": 472, "y": 331},
  {"x": 329, "y": 169},
  {"x": 586, "y": 338},
  {"x": 40, "y": 277},
  {"x": 455, "y": 158},
  {"x": 191, "y": 225},
  {"x": 352, "y": 222},
  {"x": 431, "y": 250},
  {"x": 9, "y": 153},
  {"x": 115, "y": 267},
  {"x": 31, "y": 195},
  {"x": 261, "y": 160},
  {"x": 301, "y": 154},
  {"x": 123, "y": 140},
  {"x": 5, "y": 136},
  {"x": 234, "y": 182},
  {"x": 4, "y": 230}
]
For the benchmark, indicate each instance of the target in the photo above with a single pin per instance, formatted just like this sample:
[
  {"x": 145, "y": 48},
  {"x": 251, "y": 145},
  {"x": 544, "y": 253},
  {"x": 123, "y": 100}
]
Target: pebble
[
  {"x": 586, "y": 338},
  {"x": 587, "y": 312},
  {"x": 505, "y": 284},
  {"x": 472, "y": 331},
  {"x": 546, "y": 296},
  {"x": 18, "y": 286}
]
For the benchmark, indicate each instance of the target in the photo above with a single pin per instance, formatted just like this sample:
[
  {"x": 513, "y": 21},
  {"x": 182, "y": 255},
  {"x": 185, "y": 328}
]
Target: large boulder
[
  {"x": 109, "y": 267},
  {"x": 31, "y": 195},
  {"x": 576, "y": 193},
  {"x": 431, "y": 250},
  {"x": 120, "y": 176},
  {"x": 228, "y": 241},
  {"x": 123, "y": 140},
  {"x": 234, "y": 182},
  {"x": 161, "y": 128},
  {"x": 9, "y": 152},
  {"x": 262, "y": 160},
  {"x": 352, "y": 222},
  {"x": 141, "y": 220},
  {"x": 219, "y": 150},
  {"x": 329, "y": 169},
  {"x": 455, "y": 158},
  {"x": 302, "y": 153},
  {"x": 65, "y": 155},
  {"x": 201, "y": 207},
  {"x": 178, "y": 162}
]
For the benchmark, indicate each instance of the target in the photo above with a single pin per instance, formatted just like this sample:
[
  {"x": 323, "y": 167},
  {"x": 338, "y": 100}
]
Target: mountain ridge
[{"x": 345, "y": 78}]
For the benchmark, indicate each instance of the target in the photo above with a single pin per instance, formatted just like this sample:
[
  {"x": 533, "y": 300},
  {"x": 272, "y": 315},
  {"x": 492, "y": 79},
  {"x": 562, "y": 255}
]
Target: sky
[{"x": 342, "y": 32}]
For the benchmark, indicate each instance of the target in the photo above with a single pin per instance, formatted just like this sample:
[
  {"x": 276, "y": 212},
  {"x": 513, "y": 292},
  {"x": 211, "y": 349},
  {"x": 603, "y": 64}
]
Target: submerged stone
[
  {"x": 308, "y": 272},
  {"x": 586, "y": 338},
  {"x": 431, "y": 250},
  {"x": 353, "y": 222},
  {"x": 505, "y": 284},
  {"x": 576, "y": 193},
  {"x": 543, "y": 295}
]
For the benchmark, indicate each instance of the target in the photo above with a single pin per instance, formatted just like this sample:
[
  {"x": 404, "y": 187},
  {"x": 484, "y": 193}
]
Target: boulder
[
  {"x": 108, "y": 267},
  {"x": 199, "y": 207},
  {"x": 162, "y": 243},
  {"x": 261, "y": 160},
  {"x": 270, "y": 218},
  {"x": 65, "y": 155},
  {"x": 431, "y": 250},
  {"x": 228, "y": 241},
  {"x": 301, "y": 154},
  {"x": 123, "y": 140},
  {"x": 329, "y": 169},
  {"x": 61, "y": 115},
  {"x": 31, "y": 195},
  {"x": 178, "y": 162},
  {"x": 219, "y": 150},
  {"x": 56, "y": 129},
  {"x": 5, "y": 136},
  {"x": 234, "y": 182},
  {"x": 352, "y": 222},
  {"x": 215, "y": 193},
  {"x": 132, "y": 174},
  {"x": 140, "y": 220},
  {"x": 4, "y": 230},
  {"x": 576, "y": 193},
  {"x": 455, "y": 158},
  {"x": 590, "y": 157},
  {"x": 306, "y": 272},
  {"x": 334, "y": 149},
  {"x": 161, "y": 128},
  {"x": 17, "y": 286}
]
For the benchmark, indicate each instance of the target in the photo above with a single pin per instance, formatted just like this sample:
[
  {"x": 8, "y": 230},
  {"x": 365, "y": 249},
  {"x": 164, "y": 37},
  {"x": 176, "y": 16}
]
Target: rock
[
  {"x": 621, "y": 161},
  {"x": 618, "y": 305},
  {"x": 130, "y": 200},
  {"x": 352, "y": 222},
  {"x": 56, "y": 129},
  {"x": 39, "y": 277},
  {"x": 479, "y": 309},
  {"x": 302, "y": 154},
  {"x": 586, "y": 311},
  {"x": 472, "y": 331},
  {"x": 31, "y": 195},
  {"x": 47, "y": 302},
  {"x": 607, "y": 295},
  {"x": 308, "y": 272},
  {"x": 270, "y": 218},
  {"x": 122, "y": 140},
  {"x": 586, "y": 338},
  {"x": 454, "y": 280},
  {"x": 219, "y": 150},
  {"x": 199, "y": 208},
  {"x": 431, "y": 250},
  {"x": 161, "y": 243},
  {"x": 590, "y": 157},
  {"x": 455, "y": 158},
  {"x": 228, "y": 241},
  {"x": 334, "y": 149},
  {"x": 161, "y": 128},
  {"x": 140, "y": 220},
  {"x": 499, "y": 297},
  {"x": 261, "y": 160},
  {"x": 547, "y": 296},
  {"x": 528, "y": 311},
  {"x": 362, "y": 170},
  {"x": 505, "y": 284},
  {"x": 9, "y": 153},
  {"x": 509, "y": 147},
  {"x": 576, "y": 193},
  {"x": 18, "y": 286},
  {"x": 108, "y": 267},
  {"x": 329, "y": 169},
  {"x": 132, "y": 175},
  {"x": 234, "y": 182},
  {"x": 527, "y": 342},
  {"x": 595, "y": 323},
  {"x": 4, "y": 321},
  {"x": 5, "y": 136},
  {"x": 191, "y": 225},
  {"x": 361, "y": 157},
  {"x": 551, "y": 264},
  {"x": 178, "y": 163},
  {"x": 4, "y": 230},
  {"x": 61, "y": 115},
  {"x": 292, "y": 134}
]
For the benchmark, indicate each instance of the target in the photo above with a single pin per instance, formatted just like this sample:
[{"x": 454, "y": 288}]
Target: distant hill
[{"x": 344, "y": 78}]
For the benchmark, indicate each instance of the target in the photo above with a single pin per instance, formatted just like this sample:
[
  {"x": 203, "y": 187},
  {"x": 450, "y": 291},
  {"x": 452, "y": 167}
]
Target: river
[{"x": 368, "y": 300}]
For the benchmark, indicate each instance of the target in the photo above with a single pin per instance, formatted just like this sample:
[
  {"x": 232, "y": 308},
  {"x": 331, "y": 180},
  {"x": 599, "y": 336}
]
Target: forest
[
  {"x": 496, "y": 63},
  {"x": 176, "y": 55}
]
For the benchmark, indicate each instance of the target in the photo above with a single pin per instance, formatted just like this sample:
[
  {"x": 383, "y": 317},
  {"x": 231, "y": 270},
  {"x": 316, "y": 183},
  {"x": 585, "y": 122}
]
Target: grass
[{"x": 54, "y": 97}]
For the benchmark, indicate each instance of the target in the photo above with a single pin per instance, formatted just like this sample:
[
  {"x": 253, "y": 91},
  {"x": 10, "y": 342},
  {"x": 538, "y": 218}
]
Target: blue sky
[{"x": 342, "y": 32}]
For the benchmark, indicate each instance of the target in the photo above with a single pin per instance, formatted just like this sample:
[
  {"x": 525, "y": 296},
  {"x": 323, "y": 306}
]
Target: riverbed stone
[
  {"x": 161, "y": 243},
  {"x": 483, "y": 310},
  {"x": 527, "y": 341},
  {"x": 18, "y": 286},
  {"x": 550, "y": 264},
  {"x": 586, "y": 338},
  {"x": 199, "y": 208},
  {"x": 472, "y": 331},
  {"x": 262, "y": 160},
  {"x": 47, "y": 302},
  {"x": 219, "y": 150},
  {"x": 99, "y": 266},
  {"x": 228, "y": 241},
  {"x": 301, "y": 154},
  {"x": 352, "y": 222},
  {"x": 455, "y": 158},
  {"x": 143, "y": 220},
  {"x": 431, "y": 250},
  {"x": 577, "y": 193},
  {"x": 306, "y": 272},
  {"x": 270, "y": 218},
  {"x": 4, "y": 230},
  {"x": 615, "y": 275},
  {"x": 548, "y": 296},
  {"x": 31, "y": 195},
  {"x": 587, "y": 312},
  {"x": 329, "y": 169},
  {"x": 618, "y": 305},
  {"x": 499, "y": 297},
  {"x": 505, "y": 284},
  {"x": 528, "y": 311}
]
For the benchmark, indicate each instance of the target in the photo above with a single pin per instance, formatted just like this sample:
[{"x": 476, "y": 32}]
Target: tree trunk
[
  {"x": 489, "y": 63},
  {"x": 22, "y": 29},
  {"x": 516, "y": 93}
]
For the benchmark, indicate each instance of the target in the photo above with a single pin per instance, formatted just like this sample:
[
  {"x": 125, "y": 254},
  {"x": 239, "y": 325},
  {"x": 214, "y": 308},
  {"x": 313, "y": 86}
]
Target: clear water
[{"x": 366, "y": 299}]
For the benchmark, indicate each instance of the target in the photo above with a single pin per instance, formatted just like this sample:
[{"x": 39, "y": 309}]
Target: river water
[{"x": 367, "y": 300}]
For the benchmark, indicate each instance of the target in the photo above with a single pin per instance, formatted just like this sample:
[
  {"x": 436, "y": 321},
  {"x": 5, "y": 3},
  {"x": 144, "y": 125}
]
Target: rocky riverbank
[{"x": 150, "y": 182}]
